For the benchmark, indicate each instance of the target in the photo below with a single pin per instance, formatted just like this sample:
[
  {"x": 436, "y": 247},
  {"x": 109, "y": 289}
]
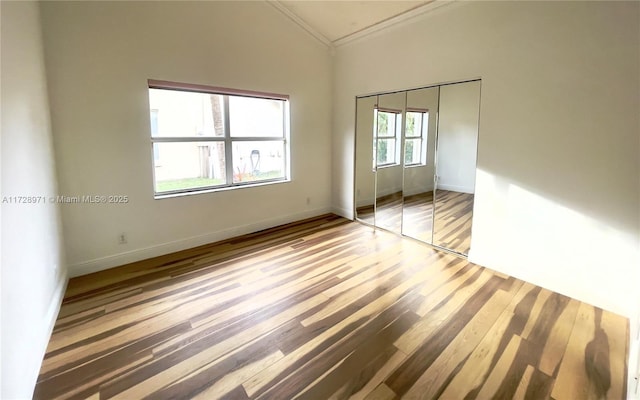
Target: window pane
[
  {"x": 251, "y": 117},
  {"x": 188, "y": 165},
  {"x": 386, "y": 124},
  {"x": 414, "y": 124},
  {"x": 412, "y": 150},
  {"x": 184, "y": 114},
  {"x": 386, "y": 149},
  {"x": 259, "y": 160}
]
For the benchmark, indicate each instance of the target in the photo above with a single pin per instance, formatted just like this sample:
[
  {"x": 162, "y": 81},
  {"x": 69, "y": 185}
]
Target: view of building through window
[{"x": 207, "y": 140}]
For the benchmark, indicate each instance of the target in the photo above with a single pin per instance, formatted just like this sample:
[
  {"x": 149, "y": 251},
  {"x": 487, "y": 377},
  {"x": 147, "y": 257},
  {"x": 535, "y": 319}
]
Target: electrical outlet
[{"x": 122, "y": 238}]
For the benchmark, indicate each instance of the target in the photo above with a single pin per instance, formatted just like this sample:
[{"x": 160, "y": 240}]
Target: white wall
[
  {"x": 99, "y": 57},
  {"x": 458, "y": 136},
  {"x": 33, "y": 267},
  {"x": 558, "y": 185}
]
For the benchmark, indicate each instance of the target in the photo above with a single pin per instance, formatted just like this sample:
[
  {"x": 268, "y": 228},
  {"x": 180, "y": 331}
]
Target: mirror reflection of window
[
  {"x": 388, "y": 127},
  {"x": 415, "y": 145}
]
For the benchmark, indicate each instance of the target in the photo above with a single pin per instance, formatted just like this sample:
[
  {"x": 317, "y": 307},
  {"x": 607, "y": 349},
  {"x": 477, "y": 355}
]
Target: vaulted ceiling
[{"x": 337, "y": 21}]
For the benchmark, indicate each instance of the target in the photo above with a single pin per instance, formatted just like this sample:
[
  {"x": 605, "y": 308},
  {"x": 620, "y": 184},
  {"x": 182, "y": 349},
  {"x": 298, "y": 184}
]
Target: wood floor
[{"x": 326, "y": 309}]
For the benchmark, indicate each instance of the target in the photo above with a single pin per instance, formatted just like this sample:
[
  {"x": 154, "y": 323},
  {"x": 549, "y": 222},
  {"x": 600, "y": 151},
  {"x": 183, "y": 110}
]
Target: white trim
[
  {"x": 397, "y": 20},
  {"x": 102, "y": 263},
  {"x": 298, "y": 21},
  {"x": 54, "y": 307},
  {"x": 456, "y": 188},
  {"x": 49, "y": 322},
  {"x": 365, "y": 203},
  {"x": 389, "y": 191},
  {"x": 418, "y": 190}
]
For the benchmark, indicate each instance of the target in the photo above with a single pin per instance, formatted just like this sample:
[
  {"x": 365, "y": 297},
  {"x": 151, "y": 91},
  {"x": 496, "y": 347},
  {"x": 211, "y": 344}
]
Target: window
[
  {"x": 154, "y": 132},
  {"x": 208, "y": 138},
  {"x": 415, "y": 142},
  {"x": 388, "y": 124}
]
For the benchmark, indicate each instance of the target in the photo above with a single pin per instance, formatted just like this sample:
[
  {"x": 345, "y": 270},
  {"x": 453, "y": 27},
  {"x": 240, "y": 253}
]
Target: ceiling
[{"x": 336, "y": 21}]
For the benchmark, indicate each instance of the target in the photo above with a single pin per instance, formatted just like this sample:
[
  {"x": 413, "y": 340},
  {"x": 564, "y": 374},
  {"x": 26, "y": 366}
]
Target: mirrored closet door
[
  {"x": 415, "y": 162},
  {"x": 419, "y": 163},
  {"x": 387, "y": 144}
]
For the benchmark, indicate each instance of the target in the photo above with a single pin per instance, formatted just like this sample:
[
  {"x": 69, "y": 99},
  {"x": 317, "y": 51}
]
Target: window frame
[
  {"x": 423, "y": 136},
  {"x": 397, "y": 136},
  {"x": 227, "y": 138}
]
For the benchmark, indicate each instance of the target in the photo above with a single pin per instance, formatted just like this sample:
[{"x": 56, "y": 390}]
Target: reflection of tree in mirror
[
  {"x": 410, "y": 121},
  {"x": 382, "y": 151},
  {"x": 408, "y": 151},
  {"x": 383, "y": 123}
]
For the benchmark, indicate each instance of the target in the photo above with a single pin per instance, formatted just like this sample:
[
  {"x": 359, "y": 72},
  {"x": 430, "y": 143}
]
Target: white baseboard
[
  {"x": 110, "y": 261},
  {"x": 363, "y": 202},
  {"x": 456, "y": 188},
  {"x": 54, "y": 307},
  {"x": 49, "y": 323},
  {"x": 388, "y": 191},
  {"x": 412, "y": 191}
]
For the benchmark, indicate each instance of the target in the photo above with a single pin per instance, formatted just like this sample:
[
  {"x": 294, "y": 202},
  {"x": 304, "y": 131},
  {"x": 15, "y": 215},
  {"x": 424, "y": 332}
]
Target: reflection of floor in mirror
[
  {"x": 365, "y": 214},
  {"x": 453, "y": 220},
  {"x": 453, "y": 217},
  {"x": 417, "y": 218},
  {"x": 388, "y": 212}
]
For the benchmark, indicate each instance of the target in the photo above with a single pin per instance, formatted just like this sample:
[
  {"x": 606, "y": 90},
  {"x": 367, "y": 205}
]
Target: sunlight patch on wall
[{"x": 531, "y": 237}]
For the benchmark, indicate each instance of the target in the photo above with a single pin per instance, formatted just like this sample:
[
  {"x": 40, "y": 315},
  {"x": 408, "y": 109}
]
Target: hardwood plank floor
[{"x": 326, "y": 308}]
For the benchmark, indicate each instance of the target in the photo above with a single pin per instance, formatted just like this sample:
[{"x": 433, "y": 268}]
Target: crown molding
[
  {"x": 298, "y": 21},
  {"x": 380, "y": 26},
  {"x": 397, "y": 20}
]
